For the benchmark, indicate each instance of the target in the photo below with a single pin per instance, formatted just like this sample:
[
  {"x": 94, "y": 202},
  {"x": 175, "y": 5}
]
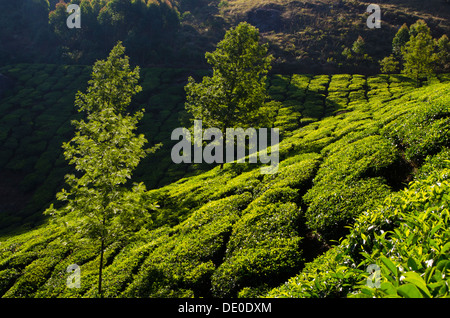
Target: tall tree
[
  {"x": 235, "y": 95},
  {"x": 418, "y": 52},
  {"x": 400, "y": 39},
  {"x": 443, "y": 53},
  {"x": 105, "y": 150}
]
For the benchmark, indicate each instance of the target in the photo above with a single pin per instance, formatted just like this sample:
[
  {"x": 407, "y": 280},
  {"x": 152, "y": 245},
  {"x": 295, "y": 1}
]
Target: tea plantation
[
  {"x": 363, "y": 179},
  {"x": 36, "y": 114}
]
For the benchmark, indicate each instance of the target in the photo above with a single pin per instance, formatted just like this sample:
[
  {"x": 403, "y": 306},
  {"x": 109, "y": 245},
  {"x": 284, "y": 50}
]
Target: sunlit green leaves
[
  {"x": 105, "y": 150},
  {"x": 235, "y": 95}
]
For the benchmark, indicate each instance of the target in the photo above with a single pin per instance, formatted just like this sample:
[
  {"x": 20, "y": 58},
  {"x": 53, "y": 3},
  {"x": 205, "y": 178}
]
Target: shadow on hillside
[
  {"x": 36, "y": 189},
  {"x": 304, "y": 103}
]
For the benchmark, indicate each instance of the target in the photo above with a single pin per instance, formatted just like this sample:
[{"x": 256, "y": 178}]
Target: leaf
[
  {"x": 338, "y": 257},
  {"x": 388, "y": 263},
  {"x": 409, "y": 291},
  {"x": 388, "y": 288},
  {"x": 433, "y": 244},
  {"x": 417, "y": 280},
  {"x": 436, "y": 285},
  {"x": 429, "y": 273},
  {"x": 316, "y": 283},
  {"x": 445, "y": 248},
  {"x": 360, "y": 295},
  {"x": 363, "y": 237},
  {"x": 435, "y": 229},
  {"x": 442, "y": 265},
  {"x": 367, "y": 292},
  {"x": 412, "y": 264}
]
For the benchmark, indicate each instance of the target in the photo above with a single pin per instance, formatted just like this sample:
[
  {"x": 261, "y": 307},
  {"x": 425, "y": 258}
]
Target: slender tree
[
  {"x": 104, "y": 151},
  {"x": 400, "y": 39},
  {"x": 443, "y": 53},
  {"x": 358, "y": 46}
]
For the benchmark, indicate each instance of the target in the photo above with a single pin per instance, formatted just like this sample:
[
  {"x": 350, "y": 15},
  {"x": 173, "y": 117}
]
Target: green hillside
[
  {"x": 306, "y": 36},
  {"x": 35, "y": 118},
  {"x": 350, "y": 145}
]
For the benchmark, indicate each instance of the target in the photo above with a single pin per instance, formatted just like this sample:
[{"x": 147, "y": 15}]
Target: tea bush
[{"x": 406, "y": 237}]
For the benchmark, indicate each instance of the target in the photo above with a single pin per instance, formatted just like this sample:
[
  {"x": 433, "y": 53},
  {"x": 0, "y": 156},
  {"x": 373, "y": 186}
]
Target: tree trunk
[
  {"x": 100, "y": 270},
  {"x": 101, "y": 259},
  {"x": 223, "y": 130}
]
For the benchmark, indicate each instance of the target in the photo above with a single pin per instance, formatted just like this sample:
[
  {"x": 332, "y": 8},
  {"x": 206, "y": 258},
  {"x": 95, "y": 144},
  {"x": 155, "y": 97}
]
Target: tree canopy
[
  {"x": 418, "y": 52},
  {"x": 235, "y": 95}
]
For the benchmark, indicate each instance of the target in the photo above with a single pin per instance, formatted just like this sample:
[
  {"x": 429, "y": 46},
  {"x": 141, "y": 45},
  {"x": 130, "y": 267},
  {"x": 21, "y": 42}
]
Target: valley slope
[{"x": 349, "y": 143}]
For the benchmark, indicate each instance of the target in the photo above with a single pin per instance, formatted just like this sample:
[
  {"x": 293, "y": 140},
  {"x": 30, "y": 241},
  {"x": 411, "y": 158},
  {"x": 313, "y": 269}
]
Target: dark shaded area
[{"x": 305, "y": 37}]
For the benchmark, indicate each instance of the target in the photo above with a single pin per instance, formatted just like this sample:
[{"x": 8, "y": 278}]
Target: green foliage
[
  {"x": 443, "y": 53},
  {"x": 186, "y": 259},
  {"x": 233, "y": 231},
  {"x": 413, "y": 256},
  {"x": 358, "y": 46},
  {"x": 234, "y": 96},
  {"x": 423, "y": 131},
  {"x": 342, "y": 189},
  {"x": 139, "y": 25},
  {"x": 389, "y": 65},
  {"x": 331, "y": 206},
  {"x": 106, "y": 150},
  {"x": 400, "y": 40},
  {"x": 418, "y": 52},
  {"x": 112, "y": 84},
  {"x": 407, "y": 237}
]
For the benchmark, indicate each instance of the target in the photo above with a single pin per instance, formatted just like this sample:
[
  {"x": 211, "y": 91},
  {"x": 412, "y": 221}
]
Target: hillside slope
[
  {"x": 310, "y": 36},
  {"x": 307, "y": 36},
  {"x": 348, "y": 143},
  {"x": 36, "y": 111}
]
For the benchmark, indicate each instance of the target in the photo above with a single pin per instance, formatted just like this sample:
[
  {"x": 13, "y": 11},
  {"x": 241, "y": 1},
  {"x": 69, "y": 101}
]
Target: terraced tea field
[
  {"x": 37, "y": 110},
  {"x": 349, "y": 145}
]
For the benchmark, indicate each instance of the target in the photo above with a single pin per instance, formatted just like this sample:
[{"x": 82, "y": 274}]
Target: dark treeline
[{"x": 36, "y": 31}]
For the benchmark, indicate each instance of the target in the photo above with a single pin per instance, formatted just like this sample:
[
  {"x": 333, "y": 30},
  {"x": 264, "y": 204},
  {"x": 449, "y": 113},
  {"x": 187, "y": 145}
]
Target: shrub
[
  {"x": 421, "y": 132},
  {"x": 357, "y": 95},
  {"x": 341, "y": 190},
  {"x": 407, "y": 237},
  {"x": 257, "y": 266},
  {"x": 339, "y": 82},
  {"x": 7, "y": 279},
  {"x": 187, "y": 258},
  {"x": 331, "y": 206},
  {"x": 357, "y": 159},
  {"x": 413, "y": 252}
]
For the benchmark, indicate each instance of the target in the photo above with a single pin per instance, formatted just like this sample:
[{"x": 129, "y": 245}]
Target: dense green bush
[
  {"x": 422, "y": 132},
  {"x": 407, "y": 237},
  {"x": 343, "y": 187},
  {"x": 331, "y": 206},
  {"x": 257, "y": 266},
  {"x": 187, "y": 258}
]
